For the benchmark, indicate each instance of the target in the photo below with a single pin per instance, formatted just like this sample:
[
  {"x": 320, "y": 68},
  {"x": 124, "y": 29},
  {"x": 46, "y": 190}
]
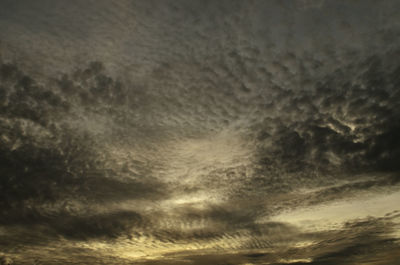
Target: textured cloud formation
[{"x": 199, "y": 132}]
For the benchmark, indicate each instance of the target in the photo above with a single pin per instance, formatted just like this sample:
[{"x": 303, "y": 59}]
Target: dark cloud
[
  {"x": 48, "y": 164},
  {"x": 6, "y": 261},
  {"x": 179, "y": 131}
]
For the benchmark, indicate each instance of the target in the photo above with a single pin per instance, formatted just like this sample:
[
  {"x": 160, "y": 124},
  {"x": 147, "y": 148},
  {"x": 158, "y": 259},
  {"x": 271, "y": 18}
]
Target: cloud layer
[{"x": 200, "y": 132}]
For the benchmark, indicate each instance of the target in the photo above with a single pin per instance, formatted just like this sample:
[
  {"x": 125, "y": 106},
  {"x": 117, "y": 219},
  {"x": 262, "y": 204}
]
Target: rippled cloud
[{"x": 199, "y": 132}]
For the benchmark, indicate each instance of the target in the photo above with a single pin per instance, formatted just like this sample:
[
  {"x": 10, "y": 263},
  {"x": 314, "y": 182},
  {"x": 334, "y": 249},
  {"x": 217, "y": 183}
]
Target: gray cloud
[{"x": 158, "y": 127}]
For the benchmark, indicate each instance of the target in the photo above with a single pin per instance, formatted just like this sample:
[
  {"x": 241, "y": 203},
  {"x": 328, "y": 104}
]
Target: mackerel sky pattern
[{"x": 200, "y": 132}]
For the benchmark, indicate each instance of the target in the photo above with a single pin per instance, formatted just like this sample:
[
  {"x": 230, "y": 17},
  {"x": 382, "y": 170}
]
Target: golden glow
[
  {"x": 334, "y": 215},
  {"x": 289, "y": 261}
]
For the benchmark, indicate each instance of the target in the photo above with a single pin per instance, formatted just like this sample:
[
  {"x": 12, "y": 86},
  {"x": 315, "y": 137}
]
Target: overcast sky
[{"x": 199, "y": 132}]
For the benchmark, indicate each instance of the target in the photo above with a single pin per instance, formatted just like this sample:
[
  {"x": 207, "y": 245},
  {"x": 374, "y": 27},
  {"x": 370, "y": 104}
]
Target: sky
[{"x": 199, "y": 132}]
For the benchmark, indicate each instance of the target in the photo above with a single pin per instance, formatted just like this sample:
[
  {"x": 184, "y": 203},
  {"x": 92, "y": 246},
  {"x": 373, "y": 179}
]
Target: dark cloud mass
[{"x": 199, "y": 132}]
